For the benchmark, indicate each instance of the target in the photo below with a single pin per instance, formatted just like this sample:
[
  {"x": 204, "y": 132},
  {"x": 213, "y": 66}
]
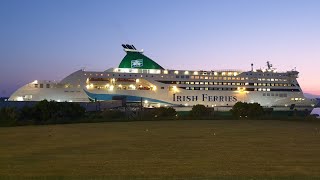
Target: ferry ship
[{"x": 140, "y": 79}]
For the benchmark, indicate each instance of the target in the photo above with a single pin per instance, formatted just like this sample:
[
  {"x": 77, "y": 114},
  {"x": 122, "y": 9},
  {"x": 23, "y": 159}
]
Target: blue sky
[{"x": 50, "y": 39}]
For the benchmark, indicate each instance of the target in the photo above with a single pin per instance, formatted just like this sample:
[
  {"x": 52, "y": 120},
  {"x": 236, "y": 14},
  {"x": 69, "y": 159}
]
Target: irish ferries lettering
[
  {"x": 184, "y": 98},
  {"x": 205, "y": 97}
]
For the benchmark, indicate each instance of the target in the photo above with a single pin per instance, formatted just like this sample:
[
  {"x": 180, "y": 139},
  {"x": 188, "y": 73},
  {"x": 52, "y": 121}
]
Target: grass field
[{"x": 162, "y": 149}]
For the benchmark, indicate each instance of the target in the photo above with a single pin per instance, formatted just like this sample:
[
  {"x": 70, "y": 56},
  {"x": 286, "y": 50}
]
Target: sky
[{"x": 50, "y": 39}]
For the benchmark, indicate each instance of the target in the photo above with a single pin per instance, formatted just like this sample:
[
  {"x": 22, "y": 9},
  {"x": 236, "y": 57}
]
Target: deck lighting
[
  {"x": 154, "y": 88},
  {"x": 241, "y": 90},
  {"x": 19, "y": 98},
  {"x": 132, "y": 86},
  {"x": 175, "y": 89}
]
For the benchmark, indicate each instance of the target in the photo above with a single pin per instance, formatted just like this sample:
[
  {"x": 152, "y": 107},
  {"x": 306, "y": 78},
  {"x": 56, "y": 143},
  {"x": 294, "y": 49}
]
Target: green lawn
[{"x": 162, "y": 149}]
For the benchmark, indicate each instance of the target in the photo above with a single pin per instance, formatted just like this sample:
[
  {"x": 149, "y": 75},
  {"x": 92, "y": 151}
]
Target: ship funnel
[{"x": 136, "y": 59}]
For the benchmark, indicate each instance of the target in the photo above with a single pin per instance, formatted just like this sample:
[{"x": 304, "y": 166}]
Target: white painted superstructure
[{"x": 138, "y": 78}]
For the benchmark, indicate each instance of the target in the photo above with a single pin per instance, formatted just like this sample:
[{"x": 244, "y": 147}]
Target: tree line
[
  {"x": 52, "y": 112},
  {"x": 43, "y": 112}
]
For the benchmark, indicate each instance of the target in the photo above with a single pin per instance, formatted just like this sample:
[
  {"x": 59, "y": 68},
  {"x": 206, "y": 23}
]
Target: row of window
[
  {"x": 264, "y": 79},
  {"x": 235, "y": 89},
  {"x": 216, "y": 78},
  {"x": 55, "y": 86},
  {"x": 236, "y": 78},
  {"x": 266, "y": 74},
  {"x": 224, "y": 73},
  {"x": 275, "y": 94},
  {"x": 41, "y": 85},
  {"x": 270, "y": 84},
  {"x": 272, "y": 89},
  {"x": 226, "y": 83},
  {"x": 71, "y": 91},
  {"x": 201, "y": 72},
  {"x": 121, "y": 87},
  {"x": 297, "y": 99},
  {"x": 194, "y": 77}
]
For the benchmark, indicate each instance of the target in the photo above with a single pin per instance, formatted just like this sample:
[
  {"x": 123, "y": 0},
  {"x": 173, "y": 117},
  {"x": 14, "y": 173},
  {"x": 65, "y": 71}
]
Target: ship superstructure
[{"x": 140, "y": 79}]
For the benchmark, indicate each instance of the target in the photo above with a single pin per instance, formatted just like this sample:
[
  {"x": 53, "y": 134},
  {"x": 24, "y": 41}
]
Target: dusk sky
[{"x": 48, "y": 40}]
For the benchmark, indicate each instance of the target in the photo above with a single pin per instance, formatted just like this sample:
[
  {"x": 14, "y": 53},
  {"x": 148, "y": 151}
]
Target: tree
[
  {"x": 240, "y": 109},
  {"x": 8, "y": 116},
  {"x": 199, "y": 110},
  {"x": 243, "y": 109},
  {"x": 45, "y": 112},
  {"x": 165, "y": 112},
  {"x": 255, "y": 110}
]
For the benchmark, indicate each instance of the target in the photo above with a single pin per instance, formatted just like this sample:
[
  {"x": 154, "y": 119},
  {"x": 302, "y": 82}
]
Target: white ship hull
[{"x": 210, "y": 99}]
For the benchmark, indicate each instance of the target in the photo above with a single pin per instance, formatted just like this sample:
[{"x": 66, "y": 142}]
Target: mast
[{"x": 269, "y": 65}]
